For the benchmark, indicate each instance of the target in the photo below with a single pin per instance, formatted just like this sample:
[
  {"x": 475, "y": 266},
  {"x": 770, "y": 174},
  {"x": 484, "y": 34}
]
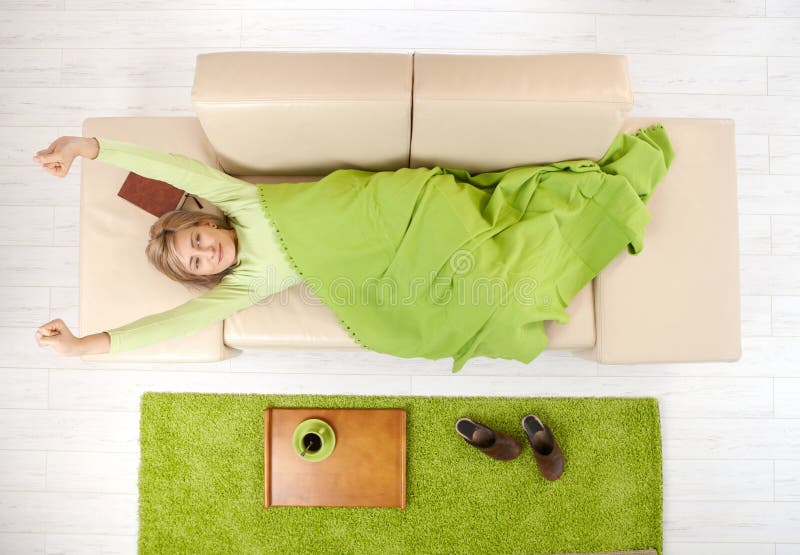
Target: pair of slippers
[{"x": 503, "y": 447}]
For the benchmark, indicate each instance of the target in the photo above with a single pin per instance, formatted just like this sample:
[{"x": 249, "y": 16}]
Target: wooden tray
[{"x": 366, "y": 469}]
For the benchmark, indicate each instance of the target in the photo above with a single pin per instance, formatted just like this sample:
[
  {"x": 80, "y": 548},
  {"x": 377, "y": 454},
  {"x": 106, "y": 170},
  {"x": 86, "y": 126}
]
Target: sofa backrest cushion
[
  {"x": 486, "y": 112},
  {"x": 289, "y": 113}
]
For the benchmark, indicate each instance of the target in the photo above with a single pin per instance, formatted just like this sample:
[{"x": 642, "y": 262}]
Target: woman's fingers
[
  {"x": 54, "y": 171},
  {"x": 56, "y": 334},
  {"x": 56, "y": 168},
  {"x": 54, "y": 164},
  {"x": 51, "y": 332},
  {"x": 46, "y": 155},
  {"x": 43, "y": 340},
  {"x": 53, "y": 327}
]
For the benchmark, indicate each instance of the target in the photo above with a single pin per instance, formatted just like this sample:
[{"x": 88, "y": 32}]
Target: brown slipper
[
  {"x": 497, "y": 445},
  {"x": 546, "y": 451}
]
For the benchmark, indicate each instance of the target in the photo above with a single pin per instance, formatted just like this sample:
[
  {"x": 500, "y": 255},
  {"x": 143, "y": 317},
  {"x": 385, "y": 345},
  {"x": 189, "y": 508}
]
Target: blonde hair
[{"x": 162, "y": 254}]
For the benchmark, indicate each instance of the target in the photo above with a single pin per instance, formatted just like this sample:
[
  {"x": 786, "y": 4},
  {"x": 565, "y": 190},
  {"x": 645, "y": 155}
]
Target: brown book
[{"x": 153, "y": 196}]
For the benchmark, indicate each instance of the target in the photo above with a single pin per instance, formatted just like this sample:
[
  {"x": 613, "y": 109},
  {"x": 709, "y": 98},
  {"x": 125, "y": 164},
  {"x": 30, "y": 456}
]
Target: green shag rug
[{"x": 201, "y": 480}]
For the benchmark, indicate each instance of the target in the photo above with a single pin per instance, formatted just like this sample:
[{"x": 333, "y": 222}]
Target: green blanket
[{"x": 435, "y": 262}]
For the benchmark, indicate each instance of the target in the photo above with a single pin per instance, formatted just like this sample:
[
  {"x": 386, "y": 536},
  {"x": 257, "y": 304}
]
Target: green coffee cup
[{"x": 314, "y": 440}]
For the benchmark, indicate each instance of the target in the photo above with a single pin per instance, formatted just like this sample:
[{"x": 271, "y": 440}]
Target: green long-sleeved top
[{"x": 260, "y": 270}]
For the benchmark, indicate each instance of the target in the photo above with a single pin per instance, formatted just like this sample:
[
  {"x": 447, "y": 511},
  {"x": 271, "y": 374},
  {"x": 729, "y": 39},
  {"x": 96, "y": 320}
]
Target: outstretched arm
[
  {"x": 183, "y": 172},
  {"x": 193, "y": 315}
]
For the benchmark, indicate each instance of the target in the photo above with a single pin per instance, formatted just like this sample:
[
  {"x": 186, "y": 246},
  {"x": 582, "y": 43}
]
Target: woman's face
[{"x": 205, "y": 249}]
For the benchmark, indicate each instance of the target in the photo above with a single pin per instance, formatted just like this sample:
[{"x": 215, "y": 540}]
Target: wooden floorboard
[{"x": 69, "y": 430}]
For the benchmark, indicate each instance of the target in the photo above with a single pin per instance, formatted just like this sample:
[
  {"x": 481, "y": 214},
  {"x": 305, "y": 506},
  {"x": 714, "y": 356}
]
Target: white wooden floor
[{"x": 68, "y": 430}]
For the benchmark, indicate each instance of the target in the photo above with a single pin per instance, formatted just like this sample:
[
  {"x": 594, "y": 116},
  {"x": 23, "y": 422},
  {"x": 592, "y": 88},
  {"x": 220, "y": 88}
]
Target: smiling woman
[
  {"x": 224, "y": 255},
  {"x": 436, "y": 236},
  {"x": 192, "y": 247}
]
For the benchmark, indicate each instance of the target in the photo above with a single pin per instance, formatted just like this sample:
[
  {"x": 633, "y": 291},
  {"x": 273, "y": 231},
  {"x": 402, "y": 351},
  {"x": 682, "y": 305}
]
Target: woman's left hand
[{"x": 58, "y": 157}]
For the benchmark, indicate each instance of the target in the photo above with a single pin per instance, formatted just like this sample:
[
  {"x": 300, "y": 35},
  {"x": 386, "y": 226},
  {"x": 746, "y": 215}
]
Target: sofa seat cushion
[
  {"x": 296, "y": 318},
  {"x": 678, "y": 299},
  {"x": 291, "y": 319}
]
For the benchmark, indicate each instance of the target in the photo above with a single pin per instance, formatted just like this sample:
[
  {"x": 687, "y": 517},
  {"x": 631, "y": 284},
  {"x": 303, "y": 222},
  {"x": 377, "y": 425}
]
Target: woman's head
[{"x": 194, "y": 248}]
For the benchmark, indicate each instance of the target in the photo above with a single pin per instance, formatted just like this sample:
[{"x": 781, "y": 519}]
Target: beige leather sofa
[{"x": 277, "y": 117}]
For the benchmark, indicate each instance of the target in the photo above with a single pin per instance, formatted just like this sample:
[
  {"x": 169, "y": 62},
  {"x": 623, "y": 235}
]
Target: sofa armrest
[{"x": 678, "y": 300}]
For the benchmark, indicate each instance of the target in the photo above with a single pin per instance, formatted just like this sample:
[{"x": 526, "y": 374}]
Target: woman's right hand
[
  {"x": 56, "y": 334},
  {"x": 57, "y": 158}
]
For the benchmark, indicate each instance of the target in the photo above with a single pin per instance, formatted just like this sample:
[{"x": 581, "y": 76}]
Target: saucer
[{"x": 323, "y": 430}]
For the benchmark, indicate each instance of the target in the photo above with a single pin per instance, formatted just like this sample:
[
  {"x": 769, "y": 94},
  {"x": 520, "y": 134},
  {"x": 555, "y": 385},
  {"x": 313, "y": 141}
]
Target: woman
[{"x": 429, "y": 262}]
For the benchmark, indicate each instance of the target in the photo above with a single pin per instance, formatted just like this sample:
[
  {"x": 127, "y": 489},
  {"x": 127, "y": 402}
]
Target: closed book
[{"x": 156, "y": 197}]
